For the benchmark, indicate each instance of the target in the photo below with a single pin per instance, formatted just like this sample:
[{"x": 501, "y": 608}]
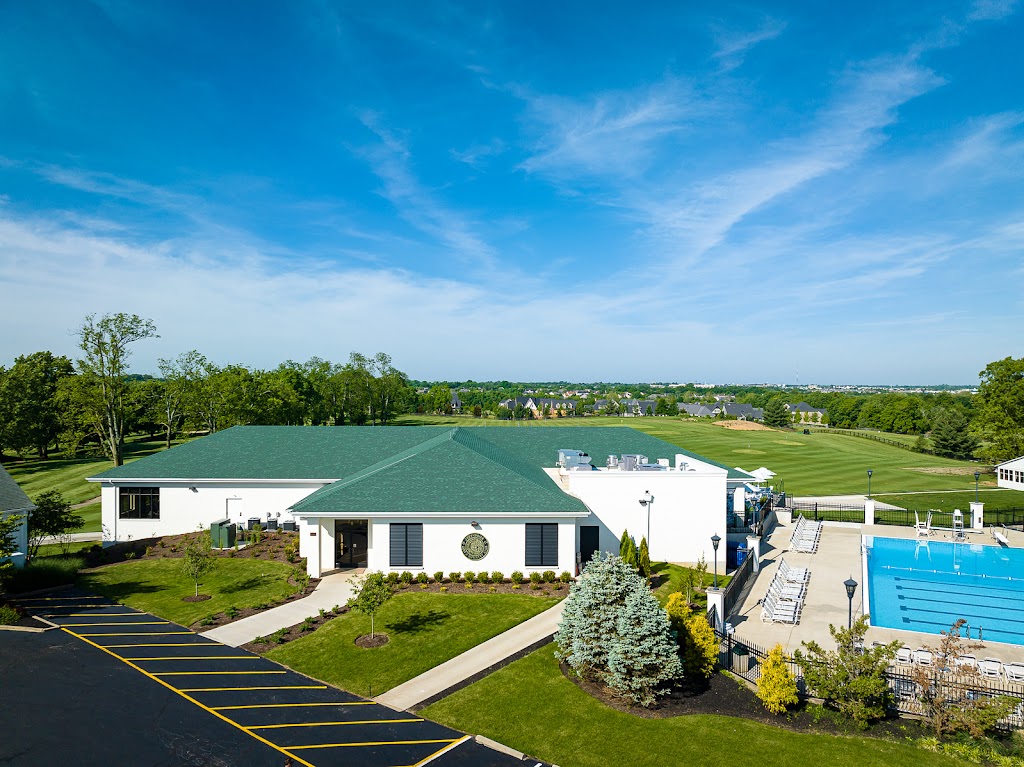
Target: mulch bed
[
  {"x": 725, "y": 695},
  {"x": 369, "y": 642},
  {"x": 222, "y": 619},
  {"x": 271, "y": 548},
  {"x": 545, "y": 590},
  {"x": 197, "y": 598},
  {"x": 292, "y": 632}
]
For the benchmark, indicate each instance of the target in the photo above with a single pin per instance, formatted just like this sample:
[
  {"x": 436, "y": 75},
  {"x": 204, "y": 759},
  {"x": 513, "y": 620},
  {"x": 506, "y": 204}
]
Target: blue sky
[{"x": 580, "y": 191}]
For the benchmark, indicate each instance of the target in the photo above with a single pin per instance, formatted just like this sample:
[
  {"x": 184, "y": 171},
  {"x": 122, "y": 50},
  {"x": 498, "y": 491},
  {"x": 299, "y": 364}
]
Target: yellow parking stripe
[
  {"x": 192, "y": 657},
  {"x": 116, "y": 623},
  {"x": 233, "y": 723},
  {"x": 295, "y": 705},
  {"x": 89, "y": 615},
  {"x": 212, "y": 673},
  {"x": 450, "y": 747},
  {"x": 372, "y": 743},
  {"x": 54, "y": 599},
  {"x": 70, "y": 607},
  {"x": 136, "y": 634},
  {"x": 153, "y": 644},
  {"x": 329, "y": 724},
  {"x": 282, "y": 687}
]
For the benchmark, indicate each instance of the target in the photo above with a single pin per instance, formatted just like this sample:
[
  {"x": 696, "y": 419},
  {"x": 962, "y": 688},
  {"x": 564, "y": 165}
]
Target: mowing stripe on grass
[
  {"x": 295, "y": 705},
  {"x": 281, "y": 687},
  {"x": 233, "y": 723},
  {"x": 328, "y": 724},
  {"x": 373, "y": 743}
]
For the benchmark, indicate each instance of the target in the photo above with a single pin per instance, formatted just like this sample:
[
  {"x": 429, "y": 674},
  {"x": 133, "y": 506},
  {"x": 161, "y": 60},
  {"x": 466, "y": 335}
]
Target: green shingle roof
[
  {"x": 12, "y": 497},
  {"x": 454, "y": 472}
]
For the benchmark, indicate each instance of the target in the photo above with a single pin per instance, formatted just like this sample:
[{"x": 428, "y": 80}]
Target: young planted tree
[
  {"x": 371, "y": 592},
  {"x": 852, "y": 677},
  {"x": 777, "y": 688},
  {"x": 946, "y": 708},
  {"x": 645, "y": 658},
  {"x": 198, "y": 558},
  {"x": 53, "y": 517},
  {"x": 643, "y": 560}
]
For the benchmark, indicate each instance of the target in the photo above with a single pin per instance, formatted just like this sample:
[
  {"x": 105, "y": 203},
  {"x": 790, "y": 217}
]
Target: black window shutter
[
  {"x": 534, "y": 546},
  {"x": 550, "y": 545},
  {"x": 398, "y": 538},
  {"x": 414, "y": 545}
]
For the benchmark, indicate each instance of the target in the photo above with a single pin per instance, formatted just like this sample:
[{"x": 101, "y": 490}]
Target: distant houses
[
  {"x": 804, "y": 413},
  {"x": 542, "y": 405}
]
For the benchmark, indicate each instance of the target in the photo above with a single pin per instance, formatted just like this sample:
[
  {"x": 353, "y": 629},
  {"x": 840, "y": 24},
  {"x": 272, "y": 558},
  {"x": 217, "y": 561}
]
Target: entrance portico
[{"x": 330, "y": 543}]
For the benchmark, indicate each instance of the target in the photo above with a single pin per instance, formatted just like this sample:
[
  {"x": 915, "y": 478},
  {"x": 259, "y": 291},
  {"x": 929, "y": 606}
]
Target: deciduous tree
[
  {"x": 53, "y": 517},
  {"x": 198, "y": 558},
  {"x": 370, "y": 593},
  {"x": 1000, "y": 418}
]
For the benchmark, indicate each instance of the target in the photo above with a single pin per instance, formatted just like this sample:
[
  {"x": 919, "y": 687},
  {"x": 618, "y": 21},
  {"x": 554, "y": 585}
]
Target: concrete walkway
[
  {"x": 332, "y": 590},
  {"x": 75, "y": 538},
  {"x": 481, "y": 657}
]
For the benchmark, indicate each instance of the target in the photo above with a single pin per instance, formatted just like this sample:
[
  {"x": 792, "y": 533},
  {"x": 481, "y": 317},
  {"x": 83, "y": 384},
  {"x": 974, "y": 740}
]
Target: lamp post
[
  {"x": 869, "y": 484},
  {"x": 977, "y": 476},
  {"x": 851, "y": 588},
  {"x": 715, "y": 540}
]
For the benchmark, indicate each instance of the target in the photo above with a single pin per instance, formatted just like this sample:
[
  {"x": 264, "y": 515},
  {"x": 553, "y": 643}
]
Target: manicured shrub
[
  {"x": 323, "y": 613},
  {"x": 483, "y": 576},
  {"x": 777, "y": 686},
  {"x": 443, "y": 589},
  {"x": 289, "y": 552},
  {"x": 406, "y": 577},
  {"x": 454, "y": 577},
  {"x": 8, "y": 615},
  {"x": 700, "y": 648},
  {"x": 439, "y": 577},
  {"x": 470, "y": 576},
  {"x": 565, "y": 577},
  {"x": 422, "y": 578},
  {"x": 391, "y": 578},
  {"x": 535, "y": 580},
  {"x": 43, "y": 573},
  {"x": 517, "y": 577},
  {"x": 498, "y": 576},
  {"x": 232, "y": 612},
  {"x": 643, "y": 560},
  {"x": 549, "y": 576}
]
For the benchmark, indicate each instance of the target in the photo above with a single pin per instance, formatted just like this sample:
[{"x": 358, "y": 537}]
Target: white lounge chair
[
  {"x": 1014, "y": 672},
  {"x": 793, "y": 574},
  {"x": 923, "y": 528},
  {"x": 923, "y": 657},
  {"x": 904, "y": 656},
  {"x": 991, "y": 667},
  {"x": 967, "y": 662}
]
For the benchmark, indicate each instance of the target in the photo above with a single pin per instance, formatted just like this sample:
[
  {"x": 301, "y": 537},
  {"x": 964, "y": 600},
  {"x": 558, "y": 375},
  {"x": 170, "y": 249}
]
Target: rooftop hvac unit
[
  {"x": 631, "y": 461},
  {"x": 613, "y": 462},
  {"x": 574, "y": 460},
  {"x": 663, "y": 462}
]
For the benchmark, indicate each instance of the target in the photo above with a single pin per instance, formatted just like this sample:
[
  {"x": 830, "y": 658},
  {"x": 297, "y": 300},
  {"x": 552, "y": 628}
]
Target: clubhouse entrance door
[{"x": 350, "y": 544}]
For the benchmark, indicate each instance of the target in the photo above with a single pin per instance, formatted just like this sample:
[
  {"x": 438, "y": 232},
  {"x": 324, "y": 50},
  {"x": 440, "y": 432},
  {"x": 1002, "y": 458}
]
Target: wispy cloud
[
  {"x": 733, "y": 45},
  {"x": 391, "y": 162},
  {"x": 476, "y": 155},
  {"x": 991, "y": 10}
]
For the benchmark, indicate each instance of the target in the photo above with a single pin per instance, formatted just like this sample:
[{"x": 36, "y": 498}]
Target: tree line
[{"x": 52, "y": 402}]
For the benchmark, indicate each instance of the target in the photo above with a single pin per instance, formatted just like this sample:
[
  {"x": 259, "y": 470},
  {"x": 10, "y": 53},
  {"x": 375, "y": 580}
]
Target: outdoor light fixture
[
  {"x": 474, "y": 523},
  {"x": 193, "y": 488},
  {"x": 647, "y": 501},
  {"x": 869, "y": 483},
  {"x": 715, "y": 540},
  {"x": 851, "y": 588},
  {"x": 977, "y": 476}
]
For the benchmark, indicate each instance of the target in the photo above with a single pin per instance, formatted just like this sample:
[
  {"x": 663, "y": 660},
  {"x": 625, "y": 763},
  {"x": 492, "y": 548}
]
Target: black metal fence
[
  {"x": 745, "y": 659},
  {"x": 735, "y": 588},
  {"x": 828, "y": 512}
]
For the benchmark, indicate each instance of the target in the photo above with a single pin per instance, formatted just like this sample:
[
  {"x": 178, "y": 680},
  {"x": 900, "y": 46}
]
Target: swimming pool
[{"x": 921, "y": 585}]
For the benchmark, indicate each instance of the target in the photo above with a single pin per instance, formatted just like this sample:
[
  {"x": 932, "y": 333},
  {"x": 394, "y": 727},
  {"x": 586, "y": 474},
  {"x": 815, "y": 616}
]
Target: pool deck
[{"x": 838, "y": 557}]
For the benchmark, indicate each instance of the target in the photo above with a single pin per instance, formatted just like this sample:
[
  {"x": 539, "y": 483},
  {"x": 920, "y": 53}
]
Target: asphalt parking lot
[{"x": 118, "y": 686}]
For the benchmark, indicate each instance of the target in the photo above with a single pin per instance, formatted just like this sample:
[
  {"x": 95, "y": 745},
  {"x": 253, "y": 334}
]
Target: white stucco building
[
  {"x": 1010, "y": 474},
  {"x": 433, "y": 498},
  {"x": 14, "y": 502}
]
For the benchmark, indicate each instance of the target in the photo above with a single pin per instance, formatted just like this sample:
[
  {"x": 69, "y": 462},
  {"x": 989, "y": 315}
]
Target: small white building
[
  {"x": 1010, "y": 474},
  {"x": 13, "y": 501},
  {"x": 433, "y": 498}
]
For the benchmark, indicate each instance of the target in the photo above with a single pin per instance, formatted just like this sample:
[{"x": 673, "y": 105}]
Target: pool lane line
[
  {"x": 192, "y": 700},
  {"x": 441, "y": 752},
  {"x": 329, "y": 724},
  {"x": 374, "y": 743},
  {"x": 295, "y": 705}
]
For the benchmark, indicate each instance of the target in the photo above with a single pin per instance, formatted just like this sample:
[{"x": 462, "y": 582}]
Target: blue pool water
[{"x": 920, "y": 585}]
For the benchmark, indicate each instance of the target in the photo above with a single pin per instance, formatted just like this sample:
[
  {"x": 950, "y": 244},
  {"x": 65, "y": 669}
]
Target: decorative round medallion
[{"x": 475, "y": 547}]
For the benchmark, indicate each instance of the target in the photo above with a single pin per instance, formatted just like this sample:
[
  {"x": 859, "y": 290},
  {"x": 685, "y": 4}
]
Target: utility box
[
  {"x": 253, "y": 521},
  {"x": 222, "y": 534},
  {"x": 271, "y": 524}
]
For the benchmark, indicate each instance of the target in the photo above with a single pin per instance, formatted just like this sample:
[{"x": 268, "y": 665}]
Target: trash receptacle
[
  {"x": 740, "y": 659},
  {"x": 741, "y": 555}
]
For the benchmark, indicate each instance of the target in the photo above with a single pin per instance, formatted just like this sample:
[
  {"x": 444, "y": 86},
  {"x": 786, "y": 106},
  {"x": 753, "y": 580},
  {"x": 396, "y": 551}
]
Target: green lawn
[
  {"x": 68, "y": 475},
  {"x": 530, "y": 706},
  {"x": 425, "y": 631},
  {"x": 158, "y": 585},
  {"x": 54, "y": 549},
  {"x": 993, "y": 500},
  {"x": 675, "y": 583},
  {"x": 814, "y": 464}
]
